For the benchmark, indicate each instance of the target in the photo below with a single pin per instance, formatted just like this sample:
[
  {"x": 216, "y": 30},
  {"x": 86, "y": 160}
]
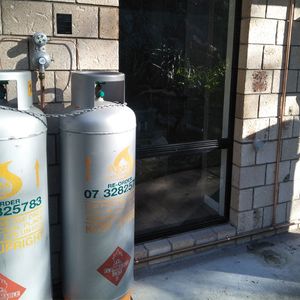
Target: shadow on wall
[{"x": 16, "y": 51}]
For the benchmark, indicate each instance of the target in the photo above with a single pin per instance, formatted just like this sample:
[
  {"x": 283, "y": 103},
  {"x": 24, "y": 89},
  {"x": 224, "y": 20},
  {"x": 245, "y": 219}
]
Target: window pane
[
  {"x": 174, "y": 56},
  {"x": 175, "y": 189}
]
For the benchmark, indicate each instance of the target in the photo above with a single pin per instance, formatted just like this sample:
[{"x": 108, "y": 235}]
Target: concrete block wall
[
  {"x": 93, "y": 45},
  {"x": 261, "y": 62}
]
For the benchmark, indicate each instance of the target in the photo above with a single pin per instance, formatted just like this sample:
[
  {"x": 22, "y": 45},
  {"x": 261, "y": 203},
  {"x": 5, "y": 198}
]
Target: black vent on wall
[{"x": 64, "y": 23}]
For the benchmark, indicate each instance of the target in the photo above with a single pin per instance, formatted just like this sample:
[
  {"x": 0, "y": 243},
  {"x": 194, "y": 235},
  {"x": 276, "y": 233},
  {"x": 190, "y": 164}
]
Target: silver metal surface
[
  {"x": 98, "y": 175},
  {"x": 24, "y": 224},
  {"x": 83, "y": 87}
]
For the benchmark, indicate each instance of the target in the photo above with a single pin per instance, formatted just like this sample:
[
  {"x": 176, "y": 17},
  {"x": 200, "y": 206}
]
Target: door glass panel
[
  {"x": 174, "y": 54},
  {"x": 175, "y": 189}
]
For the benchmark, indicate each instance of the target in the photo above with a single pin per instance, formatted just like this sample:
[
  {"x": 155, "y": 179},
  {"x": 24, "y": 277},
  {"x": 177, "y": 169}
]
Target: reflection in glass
[
  {"x": 175, "y": 189},
  {"x": 174, "y": 55}
]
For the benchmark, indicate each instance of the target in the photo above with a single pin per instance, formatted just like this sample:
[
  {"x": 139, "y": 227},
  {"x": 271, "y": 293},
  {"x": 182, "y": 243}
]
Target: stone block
[
  {"x": 63, "y": 86},
  {"x": 273, "y": 57},
  {"x": 295, "y": 58},
  {"x": 248, "y": 220},
  {"x": 158, "y": 247},
  {"x": 203, "y": 236},
  {"x": 281, "y": 213},
  {"x": 243, "y": 154},
  {"x": 296, "y": 191},
  {"x": 249, "y": 129},
  {"x": 296, "y": 127},
  {"x": 290, "y": 149},
  {"x": 69, "y": 1},
  {"x": 109, "y": 23},
  {"x": 224, "y": 231},
  {"x": 297, "y": 10},
  {"x": 262, "y": 31},
  {"x": 26, "y": 17},
  {"x": 98, "y": 54},
  {"x": 268, "y": 105},
  {"x": 80, "y": 14},
  {"x": 254, "y": 81},
  {"x": 241, "y": 200},
  {"x": 263, "y": 196},
  {"x": 267, "y": 154},
  {"x": 100, "y": 2},
  {"x": 281, "y": 33},
  {"x": 235, "y": 176},
  {"x": 253, "y": 8},
  {"x": 14, "y": 54},
  {"x": 62, "y": 52},
  {"x": 292, "y": 103},
  {"x": 293, "y": 211},
  {"x": 244, "y": 31},
  {"x": 287, "y": 129},
  {"x": 284, "y": 172},
  {"x": 292, "y": 81},
  {"x": 296, "y": 34},
  {"x": 267, "y": 216},
  {"x": 250, "y": 56},
  {"x": 0, "y": 20},
  {"x": 295, "y": 170},
  {"x": 181, "y": 241},
  {"x": 273, "y": 129},
  {"x": 140, "y": 252},
  {"x": 294, "y": 228},
  {"x": 277, "y": 9},
  {"x": 252, "y": 176},
  {"x": 247, "y": 106},
  {"x": 286, "y": 191},
  {"x": 51, "y": 149}
]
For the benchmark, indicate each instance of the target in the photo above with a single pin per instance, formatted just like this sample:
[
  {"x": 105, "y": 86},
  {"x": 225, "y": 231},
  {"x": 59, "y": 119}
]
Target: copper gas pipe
[
  {"x": 281, "y": 107},
  {"x": 42, "y": 88}
]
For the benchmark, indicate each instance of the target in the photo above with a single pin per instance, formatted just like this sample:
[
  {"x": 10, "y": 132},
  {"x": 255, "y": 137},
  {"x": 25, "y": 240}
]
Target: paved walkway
[{"x": 265, "y": 269}]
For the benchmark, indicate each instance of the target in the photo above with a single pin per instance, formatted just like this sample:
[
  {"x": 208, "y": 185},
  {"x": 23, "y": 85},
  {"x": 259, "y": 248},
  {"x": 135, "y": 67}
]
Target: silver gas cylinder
[
  {"x": 98, "y": 176},
  {"x": 24, "y": 224}
]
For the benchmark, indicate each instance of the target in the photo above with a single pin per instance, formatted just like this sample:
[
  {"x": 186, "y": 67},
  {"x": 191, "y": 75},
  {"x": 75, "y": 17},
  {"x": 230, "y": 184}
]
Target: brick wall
[
  {"x": 261, "y": 62},
  {"x": 93, "y": 45}
]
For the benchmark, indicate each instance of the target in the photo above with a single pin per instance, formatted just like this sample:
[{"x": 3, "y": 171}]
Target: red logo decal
[
  {"x": 9, "y": 290},
  {"x": 115, "y": 266}
]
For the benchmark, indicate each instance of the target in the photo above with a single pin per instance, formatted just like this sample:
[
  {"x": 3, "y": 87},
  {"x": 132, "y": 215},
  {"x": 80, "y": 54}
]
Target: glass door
[{"x": 177, "y": 57}]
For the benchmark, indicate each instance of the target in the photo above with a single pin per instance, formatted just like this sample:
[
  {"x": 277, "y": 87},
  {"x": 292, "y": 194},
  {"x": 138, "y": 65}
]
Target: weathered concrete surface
[{"x": 265, "y": 269}]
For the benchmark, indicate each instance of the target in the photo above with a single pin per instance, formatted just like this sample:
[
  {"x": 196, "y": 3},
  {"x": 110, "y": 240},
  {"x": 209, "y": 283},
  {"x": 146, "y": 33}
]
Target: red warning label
[
  {"x": 115, "y": 266},
  {"x": 9, "y": 290}
]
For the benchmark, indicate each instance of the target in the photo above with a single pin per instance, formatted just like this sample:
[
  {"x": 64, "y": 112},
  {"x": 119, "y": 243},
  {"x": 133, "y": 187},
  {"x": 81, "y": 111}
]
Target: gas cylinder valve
[
  {"x": 40, "y": 59},
  {"x": 99, "y": 93}
]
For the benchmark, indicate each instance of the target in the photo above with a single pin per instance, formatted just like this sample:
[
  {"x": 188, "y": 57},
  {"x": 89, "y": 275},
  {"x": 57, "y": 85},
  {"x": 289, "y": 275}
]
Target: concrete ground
[{"x": 264, "y": 269}]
